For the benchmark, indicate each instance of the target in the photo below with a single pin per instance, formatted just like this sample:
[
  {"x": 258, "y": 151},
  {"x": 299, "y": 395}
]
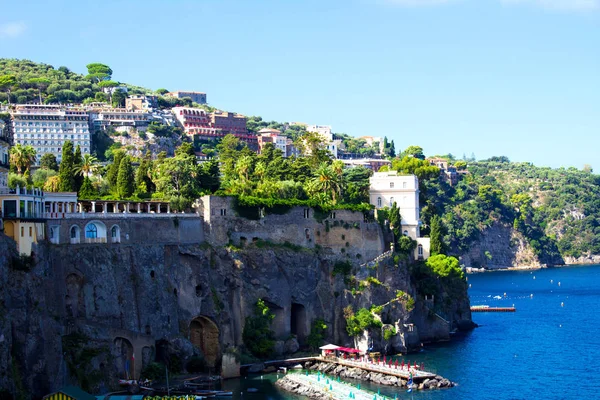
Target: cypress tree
[
  {"x": 142, "y": 178},
  {"x": 77, "y": 161},
  {"x": 437, "y": 236},
  {"x": 125, "y": 178},
  {"x": 113, "y": 169},
  {"x": 87, "y": 190},
  {"x": 66, "y": 173}
]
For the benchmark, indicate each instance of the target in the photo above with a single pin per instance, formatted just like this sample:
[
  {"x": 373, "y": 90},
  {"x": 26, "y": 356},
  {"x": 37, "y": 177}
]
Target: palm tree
[
  {"x": 22, "y": 157},
  {"x": 89, "y": 165},
  {"x": 326, "y": 180}
]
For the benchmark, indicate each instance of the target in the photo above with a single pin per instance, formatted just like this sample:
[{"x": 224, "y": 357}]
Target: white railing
[{"x": 121, "y": 215}]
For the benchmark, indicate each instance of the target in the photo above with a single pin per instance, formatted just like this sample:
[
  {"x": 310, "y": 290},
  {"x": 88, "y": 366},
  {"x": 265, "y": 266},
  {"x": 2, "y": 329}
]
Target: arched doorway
[
  {"x": 204, "y": 334},
  {"x": 123, "y": 357},
  {"x": 298, "y": 322}
]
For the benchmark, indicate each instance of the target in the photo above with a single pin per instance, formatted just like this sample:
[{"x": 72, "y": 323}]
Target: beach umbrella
[
  {"x": 330, "y": 386},
  {"x": 402, "y": 365},
  {"x": 396, "y": 363},
  {"x": 384, "y": 359}
]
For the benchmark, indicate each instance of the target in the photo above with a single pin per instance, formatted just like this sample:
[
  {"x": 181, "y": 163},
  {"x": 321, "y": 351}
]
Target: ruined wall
[{"x": 343, "y": 233}]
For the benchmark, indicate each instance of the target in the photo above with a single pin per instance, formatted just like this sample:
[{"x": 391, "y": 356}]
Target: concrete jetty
[{"x": 317, "y": 386}]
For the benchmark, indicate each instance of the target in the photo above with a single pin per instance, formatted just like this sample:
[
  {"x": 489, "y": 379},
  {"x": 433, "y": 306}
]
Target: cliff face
[
  {"x": 92, "y": 313},
  {"x": 500, "y": 247}
]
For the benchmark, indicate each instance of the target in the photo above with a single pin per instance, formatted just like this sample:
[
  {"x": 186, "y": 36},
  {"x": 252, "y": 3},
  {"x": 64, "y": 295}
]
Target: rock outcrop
[{"x": 501, "y": 247}]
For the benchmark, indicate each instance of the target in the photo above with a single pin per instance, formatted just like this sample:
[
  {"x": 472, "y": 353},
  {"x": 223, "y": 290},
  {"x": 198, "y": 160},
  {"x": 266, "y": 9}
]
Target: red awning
[{"x": 348, "y": 350}]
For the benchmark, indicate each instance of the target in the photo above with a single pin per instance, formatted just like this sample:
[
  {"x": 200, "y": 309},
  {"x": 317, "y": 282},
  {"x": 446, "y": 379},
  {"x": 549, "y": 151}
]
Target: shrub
[
  {"x": 389, "y": 332},
  {"x": 257, "y": 335},
  {"x": 317, "y": 334},
  {"x": 362, "y": 320},
  {"x": 153, "y": 371},
  {"x": 342, "y": 268}
]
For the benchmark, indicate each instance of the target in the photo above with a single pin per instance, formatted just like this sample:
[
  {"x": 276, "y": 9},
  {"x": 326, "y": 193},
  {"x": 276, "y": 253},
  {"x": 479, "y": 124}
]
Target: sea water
[{"x": 548, "y": 349}]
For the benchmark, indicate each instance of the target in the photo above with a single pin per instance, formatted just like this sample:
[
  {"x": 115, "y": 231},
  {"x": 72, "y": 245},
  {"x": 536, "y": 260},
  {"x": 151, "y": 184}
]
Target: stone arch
[
  {"x": 299, "y": 322},
  {"x": 74, "y": 303},
  {"x": 204, "y": 334},
  {"x": 74, "y": 234},
  {"x": 115, "y": 234},
  {"x": 95, "y": 232},
  {"x": 123, "y": 357}
]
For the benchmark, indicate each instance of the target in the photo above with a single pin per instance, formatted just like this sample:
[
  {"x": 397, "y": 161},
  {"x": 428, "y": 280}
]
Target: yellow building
[{"x": 22, "y": 212}]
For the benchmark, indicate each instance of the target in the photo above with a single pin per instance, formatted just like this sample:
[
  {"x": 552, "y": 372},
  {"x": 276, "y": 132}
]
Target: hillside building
[
  {"x": 140, "y": 103},
  {"x": 194, "y": 121},
  {"x": 121, "y": 119},
  {"x": 387, "y": 188},
  {"x": 4, "y": 155},
  {"x": 48, "y": 127},
  {"x": 197, "y": 97},
  {"x": 229, "y": 122}
]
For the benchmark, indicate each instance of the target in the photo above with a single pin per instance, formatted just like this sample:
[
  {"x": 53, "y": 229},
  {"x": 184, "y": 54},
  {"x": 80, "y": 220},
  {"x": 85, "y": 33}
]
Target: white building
[
  {"x": 48, "y": 127},
  {"x": 331, "y": 144},
  {"x": 121, "y": 119},
  {"x": 4, "y": 155},
  {"x": 387, "y": 188}
]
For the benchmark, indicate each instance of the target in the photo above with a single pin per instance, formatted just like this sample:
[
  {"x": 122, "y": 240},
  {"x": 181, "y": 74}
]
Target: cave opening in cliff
[
  {"x": 298, "y": 322},
  {"x": 204, "y": 334},
  {"x": 123, "y": 358}
]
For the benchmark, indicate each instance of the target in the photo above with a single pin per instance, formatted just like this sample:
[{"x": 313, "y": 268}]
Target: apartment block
[
  {"x": 197, "y": 97},
  {"x": 48, "y": 127},
  {"x": 194, "y": 121},
  {"x": 229, "y": 122},
  {"x": 4, "y": 155}
]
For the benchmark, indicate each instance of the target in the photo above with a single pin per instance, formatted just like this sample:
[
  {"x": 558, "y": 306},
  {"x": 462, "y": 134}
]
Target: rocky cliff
[
  {"x": 501, "y": 247},
  {"x": 89, "y": 314}
]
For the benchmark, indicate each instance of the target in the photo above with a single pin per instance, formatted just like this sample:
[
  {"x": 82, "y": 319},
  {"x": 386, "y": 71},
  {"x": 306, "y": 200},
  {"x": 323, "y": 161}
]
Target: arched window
[
  {"x": 91, "y": 231},
  {"x": 391, "y": 201},
  {"x": 403, "y": 185},
  {"x": 405, "y": 233},
  {"x": 51, "y": 233},
  {"x": 115, "y": 234},
  {"x": 391, "y": 185},
  {"x": 379, "y": 202},
  {"x": 420, "y": 250},
  {"x": 74, "y": 233}
]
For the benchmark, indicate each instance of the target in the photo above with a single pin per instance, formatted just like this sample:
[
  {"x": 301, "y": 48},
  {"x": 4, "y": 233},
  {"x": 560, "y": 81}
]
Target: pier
[
  {"x": 492, "y": 309},
  {"x": 382, "y": 368}
]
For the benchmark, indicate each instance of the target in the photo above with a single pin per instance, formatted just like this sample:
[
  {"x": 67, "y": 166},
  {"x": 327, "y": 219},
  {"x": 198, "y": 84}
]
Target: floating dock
[{"x": 492, "y": 309}]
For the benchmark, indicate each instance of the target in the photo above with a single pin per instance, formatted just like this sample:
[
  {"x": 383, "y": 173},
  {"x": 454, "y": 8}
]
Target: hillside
[{"x": 554, "y": 212}]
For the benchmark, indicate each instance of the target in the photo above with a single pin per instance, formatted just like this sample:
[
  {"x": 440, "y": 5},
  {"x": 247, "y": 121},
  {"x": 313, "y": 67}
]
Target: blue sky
[{"x": 491, "y": 77}]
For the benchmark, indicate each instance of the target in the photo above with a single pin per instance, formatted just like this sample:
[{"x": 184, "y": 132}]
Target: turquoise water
[{"x": 542, "y": 351}]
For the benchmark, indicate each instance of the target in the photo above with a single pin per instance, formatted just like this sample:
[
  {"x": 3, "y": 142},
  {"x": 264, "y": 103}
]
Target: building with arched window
[{"x": 387, "y": 188}]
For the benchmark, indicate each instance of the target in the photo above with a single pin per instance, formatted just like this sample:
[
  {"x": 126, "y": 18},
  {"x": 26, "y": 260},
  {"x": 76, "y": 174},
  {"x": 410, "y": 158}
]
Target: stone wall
[
  {"x": 344, "y": 233},
  {"x": 172, "y": 229}
]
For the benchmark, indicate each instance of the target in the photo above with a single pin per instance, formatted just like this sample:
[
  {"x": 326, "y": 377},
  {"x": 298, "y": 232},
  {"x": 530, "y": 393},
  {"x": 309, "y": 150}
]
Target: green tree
[
  {"x": 48, "y": 161},
  {"x": 125, "y": 178},
  {"x": 7, "y": 82},
  {"x": 40, "y": 84},
  {"x": 327, "y": 181},
  {"x": 143, "y": 175},
  {"x": 88, "y": 165},
  {"x": 77, "y": 165},
  {"x": 257, "y": 334},
  {"x": 22, "y": 157},
  {"x": 87, "y": 191},
  {"x": 40, "y": 176},
  {"x": 113, "y": 169},
  {"x": 110, "y": 85},
  {"x": 438, "y": 246},
  {"x": 414, "y": 151},
  {"x": 66, "y": 171},
  {"x": 99, "y": 72}
]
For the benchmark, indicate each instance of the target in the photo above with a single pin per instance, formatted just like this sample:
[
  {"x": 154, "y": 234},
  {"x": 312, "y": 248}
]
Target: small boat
[{"x": 127, "y": 382}]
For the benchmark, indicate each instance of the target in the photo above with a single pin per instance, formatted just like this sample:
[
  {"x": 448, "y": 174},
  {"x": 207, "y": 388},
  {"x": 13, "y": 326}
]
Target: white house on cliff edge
[{"x": 387, "y": 188}]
